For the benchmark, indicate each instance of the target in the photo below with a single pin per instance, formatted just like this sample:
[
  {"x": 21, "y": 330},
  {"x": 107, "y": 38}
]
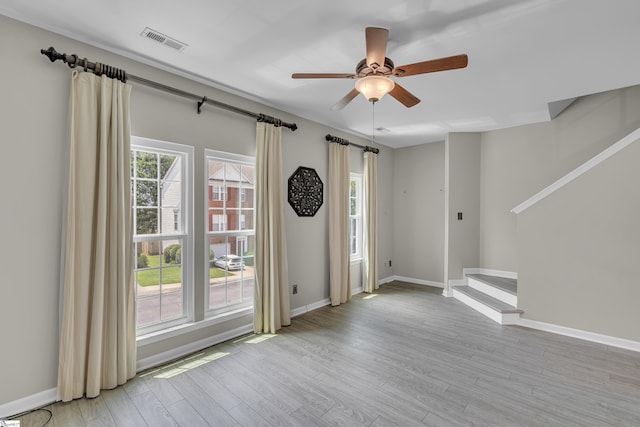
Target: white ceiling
[{"x": 523, "y": 54}]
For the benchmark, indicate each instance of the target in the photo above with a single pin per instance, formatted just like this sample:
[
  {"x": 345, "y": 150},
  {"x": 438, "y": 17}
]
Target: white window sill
[{"x": 186, "y": 328}]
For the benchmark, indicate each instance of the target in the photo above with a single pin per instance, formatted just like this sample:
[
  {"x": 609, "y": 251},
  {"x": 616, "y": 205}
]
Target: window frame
[
  {"x": 223, "y": 156},
  {"x": 186, "y": 155},
  {"x": 358, "y": 254}
]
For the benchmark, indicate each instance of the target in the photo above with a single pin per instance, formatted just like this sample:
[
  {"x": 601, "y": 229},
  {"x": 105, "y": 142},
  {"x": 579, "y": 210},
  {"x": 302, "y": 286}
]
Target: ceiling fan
[{"x": 374, "y": 71}]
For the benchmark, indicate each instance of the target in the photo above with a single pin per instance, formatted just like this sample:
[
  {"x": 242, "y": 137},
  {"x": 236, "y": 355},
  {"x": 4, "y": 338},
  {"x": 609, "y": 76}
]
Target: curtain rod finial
[{"x": 52, "y": 54}]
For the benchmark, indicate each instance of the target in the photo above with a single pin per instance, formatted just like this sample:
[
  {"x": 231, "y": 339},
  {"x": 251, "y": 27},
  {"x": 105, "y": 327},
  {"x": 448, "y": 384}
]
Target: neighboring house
[
  {"x": 170, "y": 212},
  {"x": 230, "y": 206}
]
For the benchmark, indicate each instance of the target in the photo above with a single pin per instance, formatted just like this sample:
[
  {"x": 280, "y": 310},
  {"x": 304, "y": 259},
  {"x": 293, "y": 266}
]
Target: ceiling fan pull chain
[{"x": 373, "y": 120}]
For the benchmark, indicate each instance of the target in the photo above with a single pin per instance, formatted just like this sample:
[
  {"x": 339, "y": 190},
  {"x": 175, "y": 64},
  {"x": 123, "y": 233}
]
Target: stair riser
[
  {"x": 501, "y": 318},
  {"x": 493, "y": 292}
]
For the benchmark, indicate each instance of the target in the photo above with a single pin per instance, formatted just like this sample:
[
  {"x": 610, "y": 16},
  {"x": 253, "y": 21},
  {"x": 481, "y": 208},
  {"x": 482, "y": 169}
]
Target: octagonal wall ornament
[{"x": 305, "y": 191}]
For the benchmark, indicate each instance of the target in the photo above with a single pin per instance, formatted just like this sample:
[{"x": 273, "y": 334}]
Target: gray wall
[
  {"x": 518, "y": 162},
  {"x": 579, "y": 250},
  {"x": 418, "y": 201},
  {"x": 462, "y": 193},
  {"x": 34, "y": 110}
]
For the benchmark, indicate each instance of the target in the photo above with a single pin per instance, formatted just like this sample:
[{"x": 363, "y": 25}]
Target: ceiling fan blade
[
  {"x": 442, "y": 64},
  {"x": 404, "y": 96},
  {"x": 376, "y": 39},
  {"x": 322, "y": 76},
  {"x": 344, "y": 101}
]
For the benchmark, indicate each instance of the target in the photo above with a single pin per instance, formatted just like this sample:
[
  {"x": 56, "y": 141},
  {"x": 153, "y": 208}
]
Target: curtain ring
[
  {"x": 85, "y": 65},
  {"x": 97, "y": 69}
]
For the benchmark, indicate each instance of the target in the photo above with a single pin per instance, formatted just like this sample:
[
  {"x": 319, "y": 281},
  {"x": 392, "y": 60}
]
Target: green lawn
[{"x": 169, "y": 274}]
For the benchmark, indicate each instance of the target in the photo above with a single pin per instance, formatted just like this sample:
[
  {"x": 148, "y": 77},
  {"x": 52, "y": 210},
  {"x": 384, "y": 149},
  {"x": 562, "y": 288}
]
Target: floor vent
[{"x": 165, "y": 40}]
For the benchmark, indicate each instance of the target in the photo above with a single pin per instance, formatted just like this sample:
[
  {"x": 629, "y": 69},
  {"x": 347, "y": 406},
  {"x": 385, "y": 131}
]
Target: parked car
[{"x": 229, "y": 262}]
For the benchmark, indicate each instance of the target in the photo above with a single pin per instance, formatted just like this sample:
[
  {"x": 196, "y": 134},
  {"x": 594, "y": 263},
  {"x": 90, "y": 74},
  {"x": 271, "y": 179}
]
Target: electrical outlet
[{"x": 295, "y": 289}]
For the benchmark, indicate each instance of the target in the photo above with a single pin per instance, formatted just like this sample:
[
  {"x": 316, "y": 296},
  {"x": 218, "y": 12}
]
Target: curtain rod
[
  {"x": 343, "y": 141},
  {"x": 116, "y": 73}
]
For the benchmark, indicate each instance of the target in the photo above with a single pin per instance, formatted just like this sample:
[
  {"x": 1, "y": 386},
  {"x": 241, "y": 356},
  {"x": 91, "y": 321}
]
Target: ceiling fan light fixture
[{"x": 374, "y": 87}]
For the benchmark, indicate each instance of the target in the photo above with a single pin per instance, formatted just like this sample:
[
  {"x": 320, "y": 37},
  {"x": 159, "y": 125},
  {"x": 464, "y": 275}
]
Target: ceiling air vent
[{"x": 161, "y": 38}]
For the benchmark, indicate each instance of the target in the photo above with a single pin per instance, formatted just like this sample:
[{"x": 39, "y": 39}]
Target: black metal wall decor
[{"x": 305, "y": 191}]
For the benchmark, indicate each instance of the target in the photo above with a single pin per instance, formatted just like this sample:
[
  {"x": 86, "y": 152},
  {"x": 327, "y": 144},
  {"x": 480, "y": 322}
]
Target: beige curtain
[
  {"x": 370, "y": 221},
  {"x": 271, "y": 300},
  {"x": 339, "y": 256},
  {"x": 97, "y": 336}
]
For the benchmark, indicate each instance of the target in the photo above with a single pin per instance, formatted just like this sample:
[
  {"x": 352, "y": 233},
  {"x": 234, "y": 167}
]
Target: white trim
[
  {"x": 489, "y": 272},
  {"x": 492, "y": 291},
  {"x": 585, "y": 167},
  {"x": 185, "y": 350},
  {"x": 310, "y": 307},
  {"x": 580, "y": 334},
  {"x": 28, "y": 403},
  {"x": 448, "y": 292},
  {"x": 140, "y": 142},
  {"x": 186, "y": 328},
  {"x": 411, "y": 280},
  {"x": 385, "y": 280},
  {"x": 225, "y": 156}
]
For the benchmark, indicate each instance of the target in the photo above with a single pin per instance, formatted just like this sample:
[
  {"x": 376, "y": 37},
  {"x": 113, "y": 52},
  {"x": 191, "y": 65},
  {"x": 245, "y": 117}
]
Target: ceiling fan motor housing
[{"x": 363, "y": 70}]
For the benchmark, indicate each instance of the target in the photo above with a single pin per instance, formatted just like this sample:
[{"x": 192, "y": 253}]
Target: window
[
  {"x": 219, "y": 223},
  {"x": 161, "y": 196},
  {"x": 230, "y": 236},
  {"x": 219, "y": 192},
  {"x": 355, "y": 216}
]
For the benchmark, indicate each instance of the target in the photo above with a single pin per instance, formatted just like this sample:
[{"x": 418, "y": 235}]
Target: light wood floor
[{"x": 406, "y": 356}]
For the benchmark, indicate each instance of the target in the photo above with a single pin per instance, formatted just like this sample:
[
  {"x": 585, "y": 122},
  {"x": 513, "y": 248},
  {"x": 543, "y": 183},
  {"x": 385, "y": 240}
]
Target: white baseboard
[
  {"x": 310, "y": 307},
  {"x": 489, "y": 272},
  {"x": 580, "y": 334},
  {"x": 28, "y": 403},
  {"x": 414, "y": 281},
  {"x": 386, "y": 280}
]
